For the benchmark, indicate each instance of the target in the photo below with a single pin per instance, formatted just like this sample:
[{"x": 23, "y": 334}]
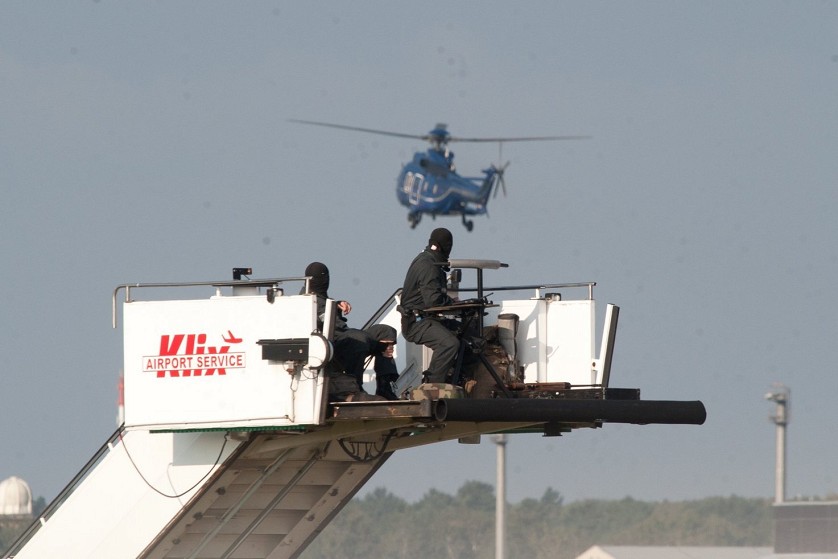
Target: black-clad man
[
  {"x": 353, "y": 346},
  {"x": 425, "y": 287}
]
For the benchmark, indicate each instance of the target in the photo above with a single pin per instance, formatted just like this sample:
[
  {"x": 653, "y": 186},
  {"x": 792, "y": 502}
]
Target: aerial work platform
[{"x": 230, "y": 447}]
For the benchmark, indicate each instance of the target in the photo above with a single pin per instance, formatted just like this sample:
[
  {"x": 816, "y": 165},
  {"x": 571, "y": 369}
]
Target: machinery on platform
[{"x": 231, "y": 449}]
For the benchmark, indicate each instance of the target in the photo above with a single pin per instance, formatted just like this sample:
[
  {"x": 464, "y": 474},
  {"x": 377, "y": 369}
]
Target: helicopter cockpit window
[{"x": 412, "y": 183}]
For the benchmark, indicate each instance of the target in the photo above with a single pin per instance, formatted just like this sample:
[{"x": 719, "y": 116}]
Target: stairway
[{"x": 271, "y": 498}]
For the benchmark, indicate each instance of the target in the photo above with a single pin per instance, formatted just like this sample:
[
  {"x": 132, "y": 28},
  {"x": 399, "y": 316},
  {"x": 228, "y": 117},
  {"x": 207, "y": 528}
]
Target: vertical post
[
  {"x": 480, "y": 296},
  {"x": 780, "y": 395},
  {"x": 500, "y": 499},
  {"x": 780, "y": 465},
  {"x": 120, "y": 399}
]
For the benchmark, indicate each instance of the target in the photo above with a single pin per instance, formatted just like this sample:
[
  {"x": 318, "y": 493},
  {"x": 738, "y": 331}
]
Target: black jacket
[
  {"x": 425, "y": 284},
  {"x": 340, "y": 320}
]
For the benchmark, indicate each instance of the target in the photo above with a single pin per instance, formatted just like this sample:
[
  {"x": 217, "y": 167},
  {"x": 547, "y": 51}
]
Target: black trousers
[{"x": 439, "y": 338}]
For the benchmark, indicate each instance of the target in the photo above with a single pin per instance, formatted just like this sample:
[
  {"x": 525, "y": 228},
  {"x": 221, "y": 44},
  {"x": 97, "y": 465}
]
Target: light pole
[
  {"x": 500, "y": 499},
  {"x": 780, "y": 395}
]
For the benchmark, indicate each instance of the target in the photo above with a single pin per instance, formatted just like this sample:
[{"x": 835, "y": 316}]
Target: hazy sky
[{"x": 149, "y": 142}]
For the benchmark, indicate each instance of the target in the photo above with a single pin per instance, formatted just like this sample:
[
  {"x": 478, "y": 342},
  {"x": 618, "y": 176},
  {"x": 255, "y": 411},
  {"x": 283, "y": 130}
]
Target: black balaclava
[
  {"x": 383, "y": 334},
  {"x": 442, "y": 241},
  {"x": 319, "y": 278}
]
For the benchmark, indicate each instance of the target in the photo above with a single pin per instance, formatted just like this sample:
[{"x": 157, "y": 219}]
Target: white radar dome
[{"x": 15, "y": 497}]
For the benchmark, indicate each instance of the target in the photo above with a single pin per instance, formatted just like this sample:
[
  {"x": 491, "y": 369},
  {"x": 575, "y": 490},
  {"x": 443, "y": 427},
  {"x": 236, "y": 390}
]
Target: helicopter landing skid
[{"x": 469, "y": 224}]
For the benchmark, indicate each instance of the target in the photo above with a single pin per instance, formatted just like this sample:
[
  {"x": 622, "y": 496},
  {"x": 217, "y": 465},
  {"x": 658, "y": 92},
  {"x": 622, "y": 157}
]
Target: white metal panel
[
  {"x": 197, "y": 364},
  {"x": 570, "y": 342},
  {"x": 555, "y": 338},
  {"x": 602, "y": 365},
  {"x": 117, "y": 510}
]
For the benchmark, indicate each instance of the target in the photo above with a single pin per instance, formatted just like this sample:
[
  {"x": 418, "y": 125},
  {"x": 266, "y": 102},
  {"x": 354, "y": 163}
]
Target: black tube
[{"x": 572, "y": 411}]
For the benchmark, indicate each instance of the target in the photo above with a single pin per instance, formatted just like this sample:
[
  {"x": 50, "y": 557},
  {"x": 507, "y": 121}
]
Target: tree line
[{"x": 462, "y": 526}]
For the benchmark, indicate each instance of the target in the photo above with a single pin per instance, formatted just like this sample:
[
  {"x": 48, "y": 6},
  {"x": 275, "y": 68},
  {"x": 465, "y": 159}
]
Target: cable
[
  {"x": 353, "y": 449},
  {"x": 178, "y": 496}
]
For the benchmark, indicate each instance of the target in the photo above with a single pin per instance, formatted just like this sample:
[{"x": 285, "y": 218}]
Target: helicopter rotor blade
[
  {"x": 520, "y": 139},
  {"x": 431, "y": 137},
  {"x": 360, "y": 129}
]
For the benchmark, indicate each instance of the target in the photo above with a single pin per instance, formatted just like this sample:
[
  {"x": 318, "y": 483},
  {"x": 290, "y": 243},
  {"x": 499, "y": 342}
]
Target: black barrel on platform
[{"x": 639, "y": 412}]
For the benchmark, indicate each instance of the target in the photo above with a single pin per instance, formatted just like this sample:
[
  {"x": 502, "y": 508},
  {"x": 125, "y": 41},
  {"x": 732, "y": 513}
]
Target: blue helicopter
[{"x": 429, "y": 184}]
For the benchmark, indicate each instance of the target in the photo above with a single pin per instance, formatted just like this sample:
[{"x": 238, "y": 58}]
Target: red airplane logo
[{"x": 231, "y": 339}]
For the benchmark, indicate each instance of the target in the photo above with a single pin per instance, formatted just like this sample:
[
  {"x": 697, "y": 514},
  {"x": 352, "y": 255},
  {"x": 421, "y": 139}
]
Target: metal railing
[
  {"x": 390, "y": 301},
  {"x": 538, "y": 288},
  {"x": 272, "y": 282}
]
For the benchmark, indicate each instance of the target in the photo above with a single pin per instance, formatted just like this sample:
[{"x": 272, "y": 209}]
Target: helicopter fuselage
[{"x": 429, "y": 185}]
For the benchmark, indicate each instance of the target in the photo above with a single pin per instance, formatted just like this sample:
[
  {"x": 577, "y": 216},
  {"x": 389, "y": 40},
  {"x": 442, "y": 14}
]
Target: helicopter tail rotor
[
  {"x": 499, "y": 169},
  {"x": 499, "y": 178}
]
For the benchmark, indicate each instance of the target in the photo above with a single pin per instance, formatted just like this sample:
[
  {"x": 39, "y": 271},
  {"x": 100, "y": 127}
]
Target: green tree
[
  {"x": 476, "y": 495},
  {"x": 462, "y": 526}
]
